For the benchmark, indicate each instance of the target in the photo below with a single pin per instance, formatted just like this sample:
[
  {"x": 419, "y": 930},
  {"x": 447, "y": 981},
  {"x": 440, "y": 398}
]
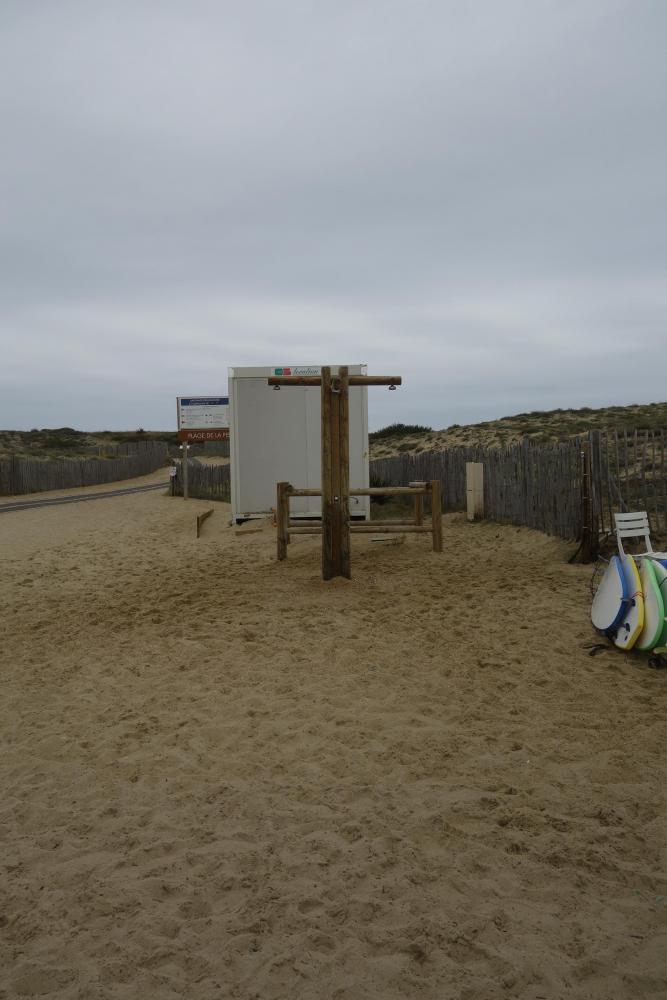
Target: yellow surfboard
[{"x": 632, "y": 623}]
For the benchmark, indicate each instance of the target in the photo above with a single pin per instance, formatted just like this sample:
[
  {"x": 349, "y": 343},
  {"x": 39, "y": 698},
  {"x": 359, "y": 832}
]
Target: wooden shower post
[
  {"x": 335, "y": 465},
  {"x": 335, "y": 474}
]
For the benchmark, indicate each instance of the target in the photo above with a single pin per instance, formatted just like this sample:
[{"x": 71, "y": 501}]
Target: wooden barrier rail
[
  {"x": 370, "y": 491},
  {"x": 201, "y": 518},
  {"x": 285, "y": 526}
]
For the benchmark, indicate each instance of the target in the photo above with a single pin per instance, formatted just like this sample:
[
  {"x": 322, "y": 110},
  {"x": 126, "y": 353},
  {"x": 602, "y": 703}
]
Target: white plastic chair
[{"x": 636, "y": 526}]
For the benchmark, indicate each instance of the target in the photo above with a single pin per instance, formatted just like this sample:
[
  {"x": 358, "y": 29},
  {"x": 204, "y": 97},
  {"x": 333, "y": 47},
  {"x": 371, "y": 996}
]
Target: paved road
[{"x": 6, "y": 508}]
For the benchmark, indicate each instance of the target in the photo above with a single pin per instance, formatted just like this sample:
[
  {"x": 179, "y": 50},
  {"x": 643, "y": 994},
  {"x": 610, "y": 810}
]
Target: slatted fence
[
  {"x": 540, "y": 485},
  {"x": 20, "y": 475},
  {"x": 528, "y": 484},
  {"x": 206, "y": 482},
  {"x": 536, "y": 485},
  {"x": 629, "y": 473}
]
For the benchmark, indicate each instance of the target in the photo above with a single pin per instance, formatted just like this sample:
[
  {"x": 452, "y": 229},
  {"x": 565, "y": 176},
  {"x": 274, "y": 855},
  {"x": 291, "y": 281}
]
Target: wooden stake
[
  {"x": 653, "y": 482},
  {"x": 436, "y": 514},
  {"x": 607, "y": 474},
  {"x": 343, "y": 509},
  {"x": 588, "y": 534},
  {"x": 201, "y": 518},
  {"x": 328, "y": 570},
  {"x": 475, "y": 490},
  {"x": 336, "y": 536},
  {"x": 663, "y": 483},
  {"x": 419, "y": 510},
  {"x": 282, "y": 519}
]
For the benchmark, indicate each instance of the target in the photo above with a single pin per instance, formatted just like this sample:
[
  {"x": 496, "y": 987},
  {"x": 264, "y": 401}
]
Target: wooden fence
[
  {"x": 628, "y": 473},
  {"x": 19, "y": 475},
  {"x": 528, "y": 484},
  {"x": 531, "y": 484},
  {"x": 206, "y": 482},
  {"x": 219, "y": 448},
  {"x": 540, "y": 485}
]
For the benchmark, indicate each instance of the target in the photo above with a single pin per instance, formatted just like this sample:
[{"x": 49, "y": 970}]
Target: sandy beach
[{"x": 222, "y": 777}]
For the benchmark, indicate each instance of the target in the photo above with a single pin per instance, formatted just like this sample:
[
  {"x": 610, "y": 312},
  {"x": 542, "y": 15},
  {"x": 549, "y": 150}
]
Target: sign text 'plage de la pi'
[{"x": 196, "y": 434}]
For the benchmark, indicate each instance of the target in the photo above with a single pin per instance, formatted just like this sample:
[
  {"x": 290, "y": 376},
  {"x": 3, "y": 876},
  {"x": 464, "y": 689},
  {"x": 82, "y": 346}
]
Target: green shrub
[{"x": 398, "y": 430}]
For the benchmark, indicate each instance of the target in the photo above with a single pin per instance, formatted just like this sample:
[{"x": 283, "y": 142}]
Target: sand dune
[{"x": 222, "y": 777}]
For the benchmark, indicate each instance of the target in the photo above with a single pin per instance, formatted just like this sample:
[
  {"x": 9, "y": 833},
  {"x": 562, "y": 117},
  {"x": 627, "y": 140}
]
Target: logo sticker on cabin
[{"x": 299, "y": 370}]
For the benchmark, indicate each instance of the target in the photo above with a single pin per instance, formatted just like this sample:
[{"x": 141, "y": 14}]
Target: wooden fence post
[
  {"x": 344, "y": 470},
  {"x": 327, "y": 485},
  {"x": 282, "y": 519},
  {"x": 419, "y": 509},
  {"x": 589, "y": 539},
  {"x": 436, "y": 514},
  {"x": 475, "y": 490}
]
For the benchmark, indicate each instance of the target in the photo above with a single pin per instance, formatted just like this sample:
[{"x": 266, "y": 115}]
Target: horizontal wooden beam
[
  {"x": 391, "y": 491},
  {"x": 368, "y": 529},
  {"x": 304, "y": 523},
  {"x": 376, "y": 380},
  {"x": 370, "y": 491},
  {"x": 356, "y": 380},
  {"x": 398, "y": 521}
]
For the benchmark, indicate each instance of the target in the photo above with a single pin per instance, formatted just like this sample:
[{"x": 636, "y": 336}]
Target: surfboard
[
  {"x": 654, "y": 607},
  {"x": 660, "y": 572},
  {"x": 608, "y": 607},
  {"x": 629, "y": 629}
]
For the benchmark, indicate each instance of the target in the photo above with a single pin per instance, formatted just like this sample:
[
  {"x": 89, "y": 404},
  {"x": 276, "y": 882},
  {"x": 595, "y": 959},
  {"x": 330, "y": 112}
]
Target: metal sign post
[
  {"x": 184, "y": 468},
  {"x": 200, "y": 418}
]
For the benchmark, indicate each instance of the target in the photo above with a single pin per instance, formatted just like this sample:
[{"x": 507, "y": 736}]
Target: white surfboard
[
  {"x": 629, "y": 629},
  {"x": 608, "y": 607},
  {"x": 660, "y": 572},
  {"x": 654, "y": 607}
]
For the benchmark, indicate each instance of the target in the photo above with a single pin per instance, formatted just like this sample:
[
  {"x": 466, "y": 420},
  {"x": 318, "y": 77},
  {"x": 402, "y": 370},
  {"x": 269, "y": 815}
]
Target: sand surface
[{"x": 222, "y": 777}]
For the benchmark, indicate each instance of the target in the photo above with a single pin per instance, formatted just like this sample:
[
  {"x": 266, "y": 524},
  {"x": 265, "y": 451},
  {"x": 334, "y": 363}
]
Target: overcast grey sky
[{"x": 471, "y": 194}]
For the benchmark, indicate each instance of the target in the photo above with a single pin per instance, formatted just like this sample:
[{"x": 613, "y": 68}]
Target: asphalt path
[{"x": 6, "y": 508}]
